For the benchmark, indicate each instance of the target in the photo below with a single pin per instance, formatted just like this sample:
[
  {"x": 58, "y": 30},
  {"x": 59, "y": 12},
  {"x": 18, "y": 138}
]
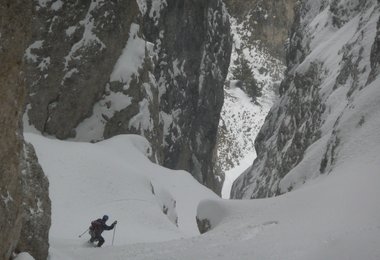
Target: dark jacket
[{"x": 99, "y": 225}]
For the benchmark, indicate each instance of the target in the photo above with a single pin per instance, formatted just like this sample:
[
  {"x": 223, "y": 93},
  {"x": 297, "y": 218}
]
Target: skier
[{"x": 96, "y": 229}]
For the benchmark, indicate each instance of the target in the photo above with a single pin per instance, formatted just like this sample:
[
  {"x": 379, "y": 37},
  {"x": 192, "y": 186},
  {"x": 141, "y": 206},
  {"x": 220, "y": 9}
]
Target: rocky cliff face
[
  {"x": 11, "y": 100},
  {"x": 268, "y": 21},
  {"x": 155, "y": 68},
  {"x": 36, "y": 206},
  {"x": 260, "y": 32},
  {"x": 75, "y": 46},
  {"x": 20, "y": 192},
  {"x": 332, "y": 65}
]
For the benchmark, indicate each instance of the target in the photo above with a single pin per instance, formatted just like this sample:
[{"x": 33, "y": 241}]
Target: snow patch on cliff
[
  {"x": 126, "y": 69},
  {"x": 131, "y": 59},
  {"x": 29, "y": 55},
  {"x": 89, "y": 37}
]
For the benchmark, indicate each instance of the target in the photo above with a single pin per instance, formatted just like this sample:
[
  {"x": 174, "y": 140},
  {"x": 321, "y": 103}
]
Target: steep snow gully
[{"x": 329, "y": 215}]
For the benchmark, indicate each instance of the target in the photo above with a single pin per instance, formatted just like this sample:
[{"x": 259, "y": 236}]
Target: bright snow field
[{"x": 334, "y": 217}]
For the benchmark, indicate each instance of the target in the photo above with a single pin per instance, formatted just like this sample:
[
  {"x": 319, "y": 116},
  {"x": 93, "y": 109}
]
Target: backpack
[{"x": 96, "y": 225}]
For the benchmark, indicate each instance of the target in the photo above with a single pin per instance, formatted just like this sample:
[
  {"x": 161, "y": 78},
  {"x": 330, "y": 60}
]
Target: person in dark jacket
[{"x": 97, "y": 227}]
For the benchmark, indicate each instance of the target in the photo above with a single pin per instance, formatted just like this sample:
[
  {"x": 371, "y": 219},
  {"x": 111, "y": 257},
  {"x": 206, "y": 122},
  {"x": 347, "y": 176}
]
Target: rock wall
[
  {"x": 332, "y": 63},
  {"x": 155, "y": 68},
  {"x": 256, "y": 70},
  {"x": 193, "y": 98},
  {"x": 15, "y": 32},
  {"x": 269, "y": 22},
  {"x": 36, "y": 221},
  {"x": 74, "y": 48}
]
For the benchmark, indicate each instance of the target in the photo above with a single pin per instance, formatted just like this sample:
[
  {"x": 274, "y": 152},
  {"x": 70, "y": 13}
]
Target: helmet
[{"x": 105, "y": 217}]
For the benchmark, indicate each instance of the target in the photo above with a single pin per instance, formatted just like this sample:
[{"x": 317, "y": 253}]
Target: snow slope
[
  {"x": 336, "y": 216},
  {"x": 115, "y": 177}
]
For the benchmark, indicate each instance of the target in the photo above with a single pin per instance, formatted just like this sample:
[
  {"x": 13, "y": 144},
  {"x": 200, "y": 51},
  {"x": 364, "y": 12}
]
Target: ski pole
[
  {"x": 83, "y": 233},
  {"x": 113, "y": 236}
]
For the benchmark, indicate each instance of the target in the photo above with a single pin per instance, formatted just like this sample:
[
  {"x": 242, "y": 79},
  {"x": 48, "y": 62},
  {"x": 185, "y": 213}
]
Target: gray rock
[
  {"x": 281, "y": 143},
  {"x": 14, "y": 33},
  {"x": 260, "y": 33},
  {"x": 73, "y": 53},
  {"x": 22, "y": 183},
  {"x": 36, "y": 221},
  {"x": 284, "y": 137},
  {"x": 269, "y": 21},
  {"x": 189, "y": 69},
  {"x": 375, "y": 56},
  {"x": 203, "y": 225},
  {"x": 172, "y": 89},
  {"x": 296, "y": 121},
  {"x": 196, "y": 95}
]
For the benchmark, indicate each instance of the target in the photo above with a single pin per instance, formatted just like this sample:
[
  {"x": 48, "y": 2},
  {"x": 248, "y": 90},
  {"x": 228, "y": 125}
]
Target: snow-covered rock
[
  {"x": 97, "y": 69},
  {"x": 266, "y": 23},
  {"x": 328, "y": 110},
  {"x": 259, "y": 30}
]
